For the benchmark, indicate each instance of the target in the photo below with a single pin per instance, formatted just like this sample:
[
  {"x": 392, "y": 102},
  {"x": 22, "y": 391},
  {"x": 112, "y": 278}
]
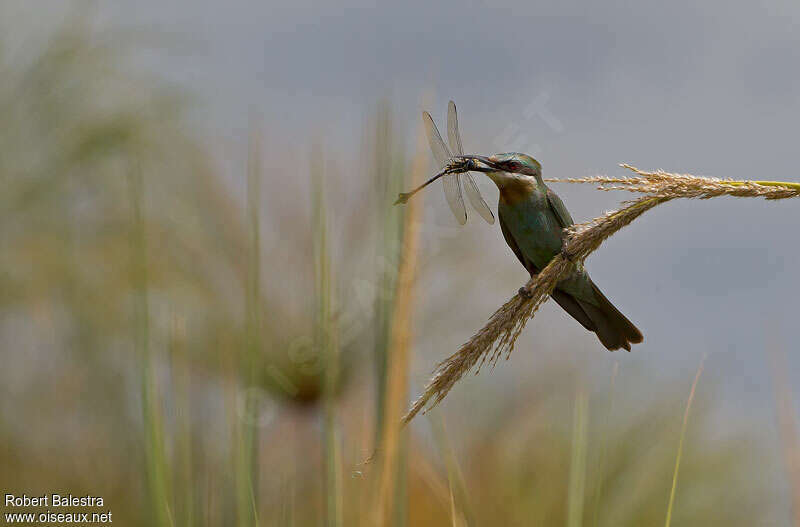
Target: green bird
[{"x": 532, "y": 218}]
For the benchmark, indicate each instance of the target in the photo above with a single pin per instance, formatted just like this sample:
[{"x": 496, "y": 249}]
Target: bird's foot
[{"x": 525, "y": 293}]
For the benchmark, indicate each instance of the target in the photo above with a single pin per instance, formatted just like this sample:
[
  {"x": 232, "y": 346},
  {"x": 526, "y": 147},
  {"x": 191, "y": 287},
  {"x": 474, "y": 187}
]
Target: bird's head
[
  {"x": 515, "y": 163},
  {"x": 506, "y": 168}
]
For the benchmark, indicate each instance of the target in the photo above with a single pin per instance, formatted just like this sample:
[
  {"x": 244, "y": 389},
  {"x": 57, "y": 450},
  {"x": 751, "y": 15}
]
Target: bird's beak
[{"x": 480, "y": 163}]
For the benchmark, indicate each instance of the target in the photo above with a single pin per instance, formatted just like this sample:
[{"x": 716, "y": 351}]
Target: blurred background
[{"x": 211, "y": 313}]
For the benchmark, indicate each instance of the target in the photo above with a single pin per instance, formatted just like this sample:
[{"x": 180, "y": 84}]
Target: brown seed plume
[{"x": 500, "y": 333}]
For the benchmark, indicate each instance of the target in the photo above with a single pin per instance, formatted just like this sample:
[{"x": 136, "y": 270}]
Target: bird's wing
[
  {"x": 564, "y": 299},
  {"x": 559, "y": 209},
  {"x": 527, "y": 264},
  {"x": 598, "y": 314}
]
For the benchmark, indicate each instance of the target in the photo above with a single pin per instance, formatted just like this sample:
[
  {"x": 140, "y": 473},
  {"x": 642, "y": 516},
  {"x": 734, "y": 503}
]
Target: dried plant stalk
[
  {"x": 396, "y": 389},
  {"x": 500, "y": 334},
  {"x": 667, "y": 184}
]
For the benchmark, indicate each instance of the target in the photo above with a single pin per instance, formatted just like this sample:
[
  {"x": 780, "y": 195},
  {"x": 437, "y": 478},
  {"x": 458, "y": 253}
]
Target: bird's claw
[{"x": 525, "y": 293}]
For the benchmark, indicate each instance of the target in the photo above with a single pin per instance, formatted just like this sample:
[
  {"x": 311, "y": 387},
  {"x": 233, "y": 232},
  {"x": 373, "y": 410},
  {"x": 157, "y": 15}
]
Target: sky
[{"x": 709, "y": 88}]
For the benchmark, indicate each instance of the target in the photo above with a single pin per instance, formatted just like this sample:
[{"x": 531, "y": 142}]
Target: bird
[{"x": 533, "y": 220}]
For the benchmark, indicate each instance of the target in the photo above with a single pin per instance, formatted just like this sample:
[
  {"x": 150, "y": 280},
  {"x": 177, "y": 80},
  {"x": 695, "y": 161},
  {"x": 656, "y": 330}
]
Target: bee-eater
[{"x": 533, "y": 218}]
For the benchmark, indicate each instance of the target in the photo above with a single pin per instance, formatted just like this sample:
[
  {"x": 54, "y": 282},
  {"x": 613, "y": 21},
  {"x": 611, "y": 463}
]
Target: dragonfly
[{"x": 455, "y": 181}]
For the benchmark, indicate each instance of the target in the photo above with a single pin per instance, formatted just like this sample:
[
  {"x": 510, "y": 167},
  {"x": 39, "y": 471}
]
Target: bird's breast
[
  {"x": 514, "y": 190},
  {"x": 533, "y": 226}
]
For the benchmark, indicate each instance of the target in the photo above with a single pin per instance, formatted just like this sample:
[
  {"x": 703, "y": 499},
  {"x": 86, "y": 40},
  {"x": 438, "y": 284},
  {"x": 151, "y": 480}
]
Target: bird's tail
[{"x": 613, "y": 329}]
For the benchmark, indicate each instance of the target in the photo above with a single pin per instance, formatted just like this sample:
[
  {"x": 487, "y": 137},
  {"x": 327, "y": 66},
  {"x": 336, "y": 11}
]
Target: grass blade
[
  {"x": 598, "y": 493},
  {"x": 577, "y": 470},
  {"x": 396, "y": 392},
  {"x": 155, "y": 457},
  {"x": 455, "y": 478},
  {"x": 680, "y": 443},
  {"x": 247, "y": 429}
]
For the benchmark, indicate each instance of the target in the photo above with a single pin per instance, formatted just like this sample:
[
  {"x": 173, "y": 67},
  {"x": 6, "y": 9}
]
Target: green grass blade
[
  {"x": 577, "y": 473},
  {"x": 598, "y": 493},
  {"x": 155, "y": 457},
  {"x": 247, "y": 426},
  {"x": 325, "y": 341},
  {"x": 461, "y": 512},
  {"x": 680, "y": 443}
]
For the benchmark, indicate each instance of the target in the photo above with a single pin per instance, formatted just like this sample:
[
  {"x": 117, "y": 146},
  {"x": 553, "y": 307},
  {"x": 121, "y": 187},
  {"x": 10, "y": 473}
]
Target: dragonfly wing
[
  {"x": 452, "y": 191},
  {"x": 471, "y": 189},
  {"x": 476, "y": 199},
  {"x": 451, "y": 183},
  {"x": 439, "y": 149},
  {"x": 452, "y": 130}
]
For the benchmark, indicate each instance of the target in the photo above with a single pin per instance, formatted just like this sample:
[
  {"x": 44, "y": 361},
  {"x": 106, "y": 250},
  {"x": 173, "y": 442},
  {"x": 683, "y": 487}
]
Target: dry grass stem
[
  {"x": 398, "y": 353},
  {"x": 499, "y": 335},
  {"x": 667, "y": 184}
]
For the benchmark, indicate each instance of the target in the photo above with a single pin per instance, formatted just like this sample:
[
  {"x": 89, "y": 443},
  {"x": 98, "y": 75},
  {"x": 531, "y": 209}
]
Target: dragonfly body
[{"x": 532, "y": 219}]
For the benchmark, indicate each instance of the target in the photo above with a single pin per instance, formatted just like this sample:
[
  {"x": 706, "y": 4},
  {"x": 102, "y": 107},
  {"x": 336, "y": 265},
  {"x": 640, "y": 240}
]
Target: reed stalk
[
  {"x": 158, "y": 473},
  {"x": 397, "y": 357},
  {"x": 246, "y": 474},
  {"x": 326, "y": 342},
  {"x": 500, "y": 334},
  {"x": 577, "y": 466}
]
